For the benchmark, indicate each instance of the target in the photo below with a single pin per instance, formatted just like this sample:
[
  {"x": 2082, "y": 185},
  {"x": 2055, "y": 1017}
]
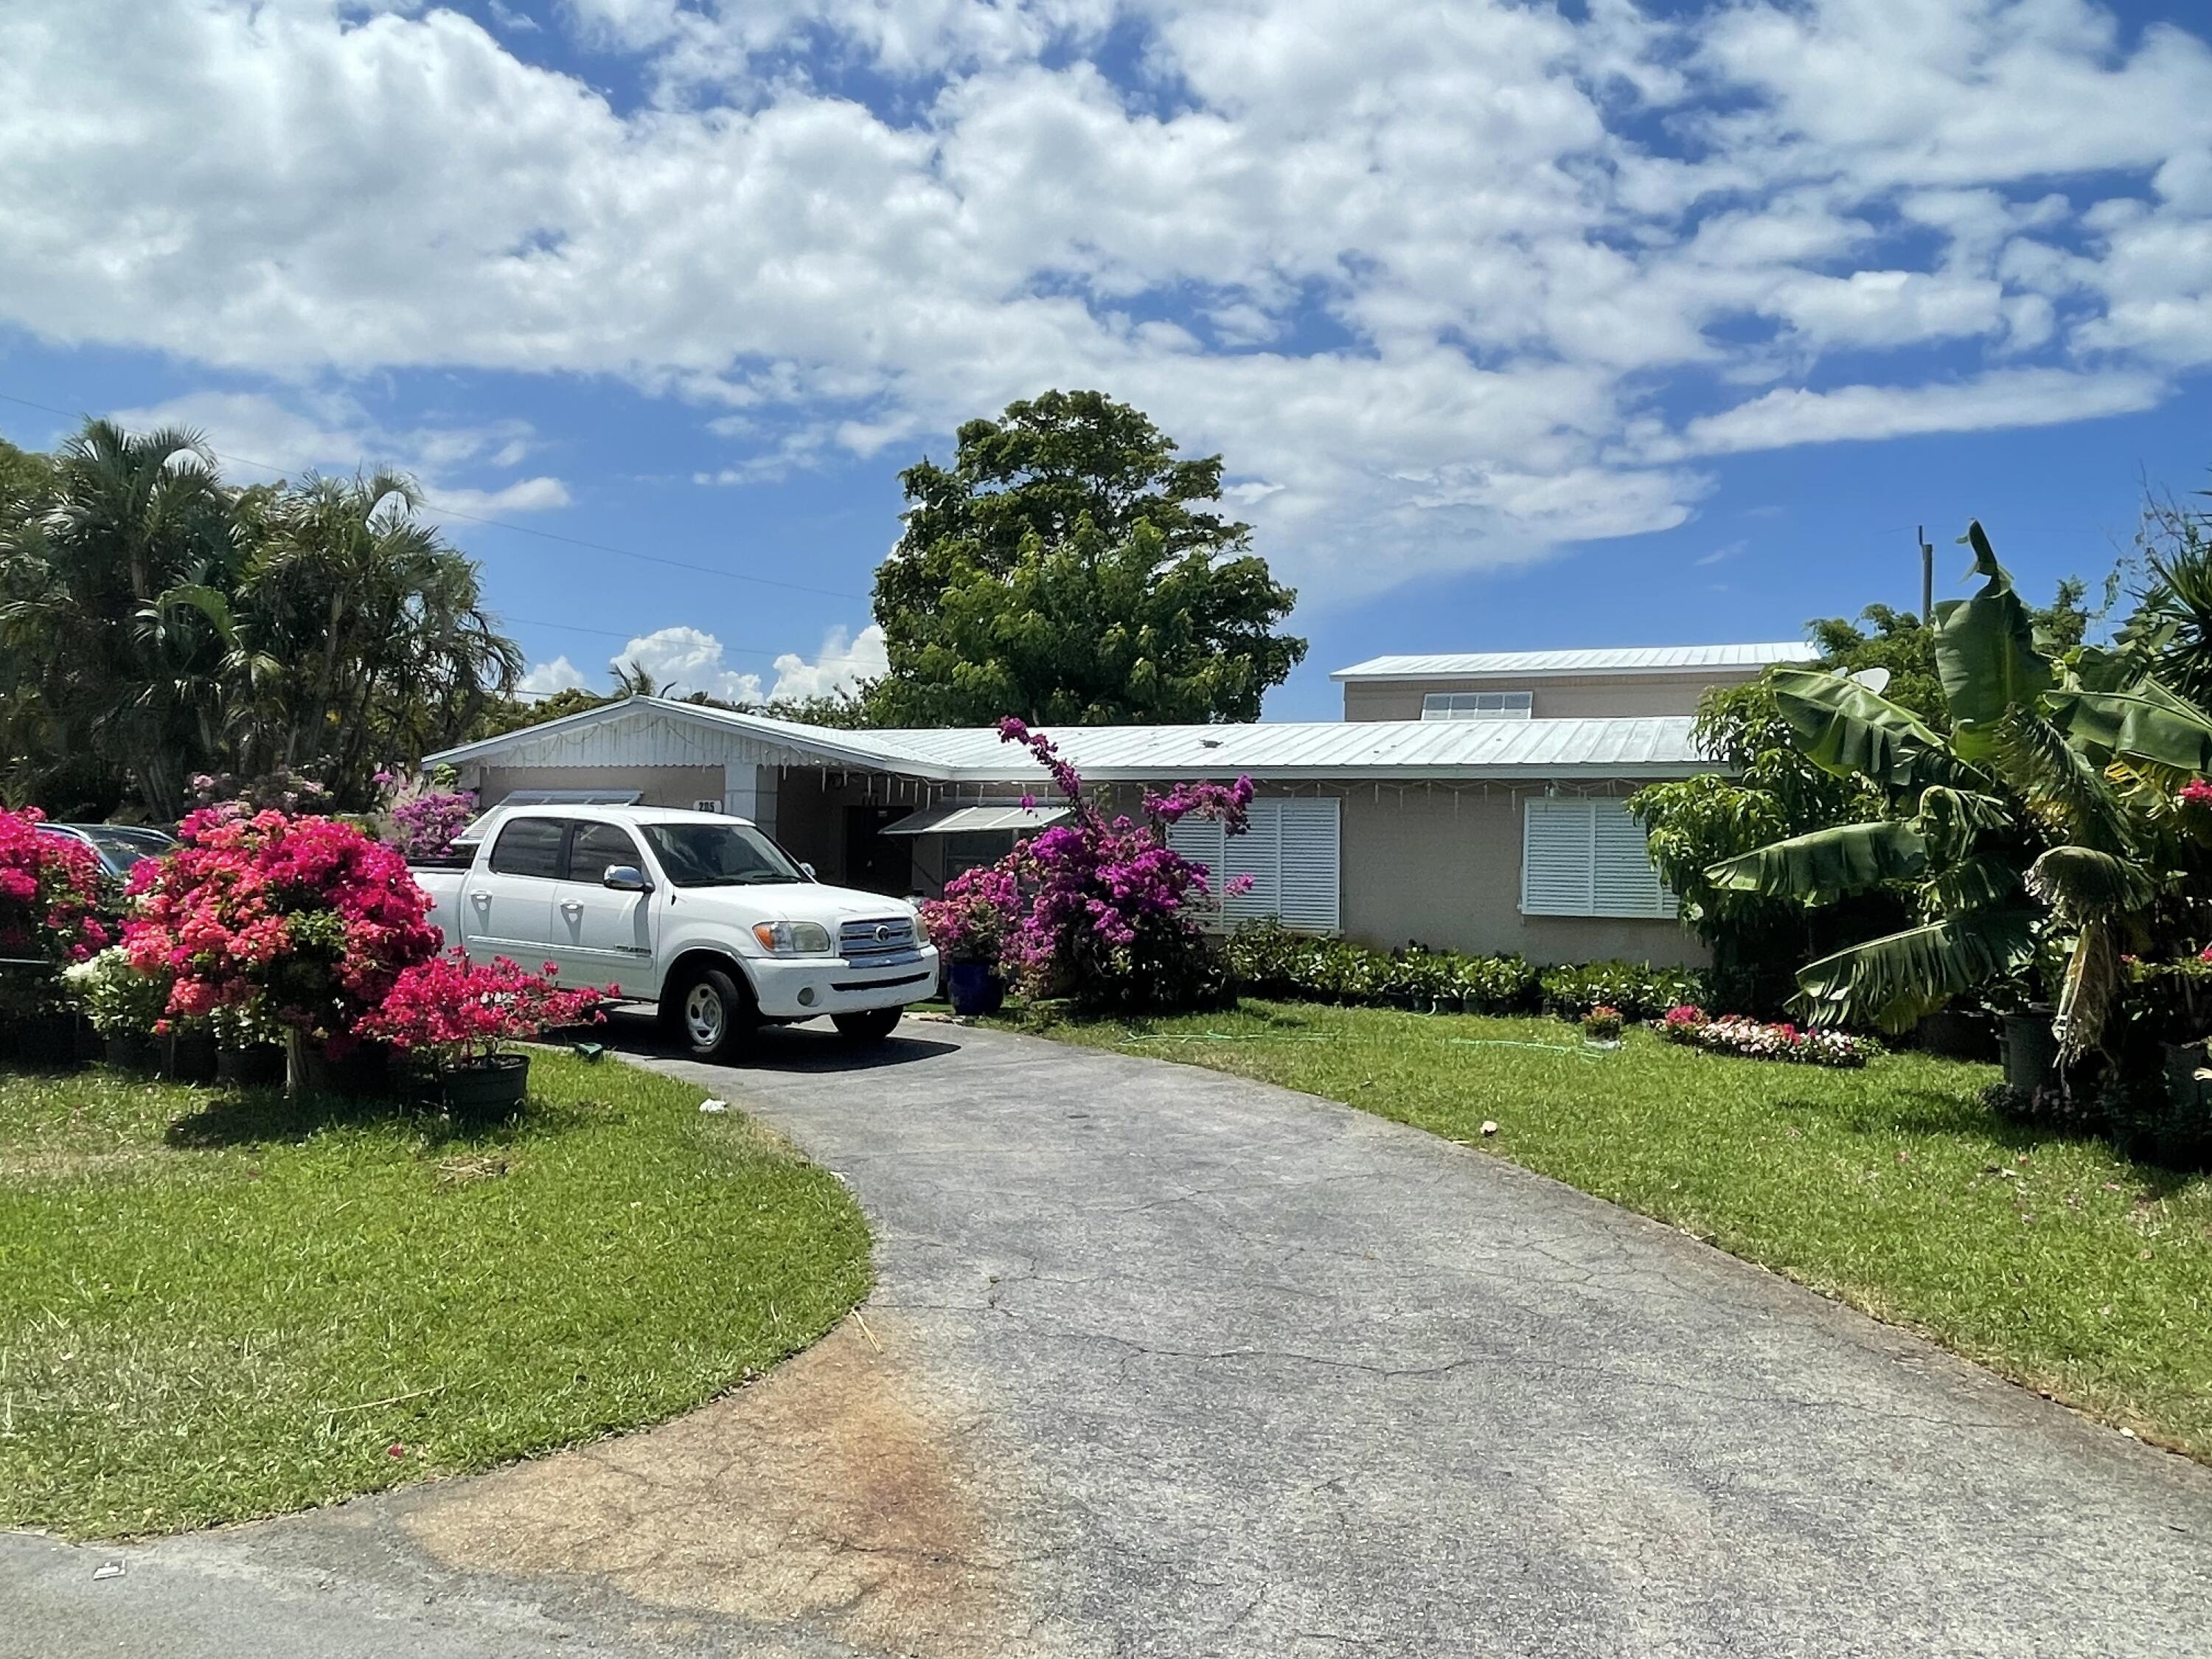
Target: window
[
  {"x": 1291, "y": 852},
  {"x": 597, "y": 848},
  {"x": 1588, "y": 857},
  {"x": 970, "y": 849},
  {"x": 529, "y": 847},
  {"x": 719, "y": 855},
  {"x": 1478, "y": 706}
]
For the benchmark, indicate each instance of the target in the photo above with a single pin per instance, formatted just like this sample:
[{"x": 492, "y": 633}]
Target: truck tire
[
  {"x": 712, "y": 1015},
  {"x": 869, "y": 1025}
]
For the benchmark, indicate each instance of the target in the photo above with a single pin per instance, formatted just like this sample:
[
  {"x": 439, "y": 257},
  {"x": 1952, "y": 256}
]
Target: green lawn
[
  {"x": 2052, "y": 1261},
  {"x": 218, "y": 1305}
]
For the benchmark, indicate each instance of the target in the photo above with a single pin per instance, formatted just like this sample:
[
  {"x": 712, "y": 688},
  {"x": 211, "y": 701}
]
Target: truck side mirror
[
  {"x": 625, "y": 878},
  {"x": 807, "y": 871}
]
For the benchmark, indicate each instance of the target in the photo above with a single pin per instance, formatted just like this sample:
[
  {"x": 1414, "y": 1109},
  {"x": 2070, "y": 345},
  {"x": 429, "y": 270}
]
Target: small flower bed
[
  {"x": 1601, "y": 1025},
  {"x": 1752, "y": 1039},
  {"x": 453, "y": 1014},
  {"x": 49, "y": 910}
]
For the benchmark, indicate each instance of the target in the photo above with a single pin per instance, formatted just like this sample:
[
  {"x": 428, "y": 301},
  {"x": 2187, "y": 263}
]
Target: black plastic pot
[
  {"x": 2031, "y": 1050},
  {"x": 256, "y": 1065},
  {"x": 1959, "y": 1034},
  {"x": 128, "y": 1051},
  {"x": 489, "y": 1088},
  {"x": 190, "y": 1057}
]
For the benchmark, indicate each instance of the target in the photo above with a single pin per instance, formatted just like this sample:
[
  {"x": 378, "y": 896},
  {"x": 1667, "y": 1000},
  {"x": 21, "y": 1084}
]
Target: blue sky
[{"x": 1586, "y": 323}]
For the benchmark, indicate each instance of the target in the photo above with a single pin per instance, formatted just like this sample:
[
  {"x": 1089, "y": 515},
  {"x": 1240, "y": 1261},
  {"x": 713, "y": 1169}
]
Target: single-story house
[{"x": 1490, "y": 825}]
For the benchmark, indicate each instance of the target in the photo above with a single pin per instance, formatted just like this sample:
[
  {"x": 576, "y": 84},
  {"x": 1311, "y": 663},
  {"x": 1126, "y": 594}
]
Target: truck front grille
[{"x": 876, "y": 940}]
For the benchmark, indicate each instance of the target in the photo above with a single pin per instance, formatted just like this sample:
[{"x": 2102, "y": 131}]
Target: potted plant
[
  {"x": 50, "y": 916},
  {"x": 1602, "y": 1027},
  {"x": 123, "y": 1005},
  {"x": 969, "y": 924},
  {"x": 456, "y": 1018}
]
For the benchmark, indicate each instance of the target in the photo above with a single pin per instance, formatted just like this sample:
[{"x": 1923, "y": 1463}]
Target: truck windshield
[{"x": 718, "y": 855}]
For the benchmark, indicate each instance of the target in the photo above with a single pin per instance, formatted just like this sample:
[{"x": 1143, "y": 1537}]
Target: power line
[{"x": 448, "y": 511}]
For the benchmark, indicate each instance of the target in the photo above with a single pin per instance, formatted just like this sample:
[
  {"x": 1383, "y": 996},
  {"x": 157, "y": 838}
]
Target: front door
[
  {"x": 602, "y": 936},
  {"x": 876, "y": 862}
]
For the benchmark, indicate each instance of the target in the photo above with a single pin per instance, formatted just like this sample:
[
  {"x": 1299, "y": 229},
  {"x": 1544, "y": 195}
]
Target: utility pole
[{"x": 1927, "y": 578}]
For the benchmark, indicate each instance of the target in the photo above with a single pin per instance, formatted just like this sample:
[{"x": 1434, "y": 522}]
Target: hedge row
[{"x": 1271, "y": 961}]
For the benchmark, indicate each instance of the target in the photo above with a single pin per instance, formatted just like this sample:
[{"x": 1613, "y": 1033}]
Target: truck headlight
[{"x": 793, "y": 938}]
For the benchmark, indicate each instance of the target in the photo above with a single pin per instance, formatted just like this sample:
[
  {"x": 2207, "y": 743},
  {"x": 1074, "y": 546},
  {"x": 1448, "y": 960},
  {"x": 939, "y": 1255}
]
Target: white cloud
[
  {"x": 263, "y": 437},
  {"x": 2005, "y": 397},
  {"x": 1460, "y": 201},
  {"x": 547, "y": 677},
  {"x": 682, "y": 659},
  {"x": 844, "y": 662}
]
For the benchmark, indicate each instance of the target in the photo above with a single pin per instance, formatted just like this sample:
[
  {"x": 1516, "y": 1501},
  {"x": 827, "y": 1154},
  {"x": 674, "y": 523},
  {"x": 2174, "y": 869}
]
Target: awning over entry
[{"x": 968, "y": 820}]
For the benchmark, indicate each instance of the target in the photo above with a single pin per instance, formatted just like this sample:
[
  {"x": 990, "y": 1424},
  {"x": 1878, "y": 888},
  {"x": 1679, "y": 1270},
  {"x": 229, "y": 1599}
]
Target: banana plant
[{"x": 2036, "y": 820}]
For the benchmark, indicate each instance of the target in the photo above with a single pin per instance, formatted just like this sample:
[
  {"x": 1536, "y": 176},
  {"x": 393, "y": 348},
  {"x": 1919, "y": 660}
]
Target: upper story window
[{"x": 1478, "y": 705}]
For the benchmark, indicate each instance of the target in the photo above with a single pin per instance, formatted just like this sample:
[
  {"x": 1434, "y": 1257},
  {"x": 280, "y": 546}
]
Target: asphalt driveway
[{"x": 1163, "y": 1362}]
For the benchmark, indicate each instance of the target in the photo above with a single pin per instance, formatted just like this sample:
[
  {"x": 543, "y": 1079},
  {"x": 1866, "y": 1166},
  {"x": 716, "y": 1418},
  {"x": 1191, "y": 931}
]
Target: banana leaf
[
  {"x": 1892, "y": 980},
  {"x": 1976, "y": 883},
  {"x": 1852, "y": 732},
  {"x": 1985, "y": 654},
  {"x": 2083, "y": 886},
  {"x": 1847, "y": 858},
  {"x": 2056, "y": 778},
  {"x": 2147, "y": 722}
]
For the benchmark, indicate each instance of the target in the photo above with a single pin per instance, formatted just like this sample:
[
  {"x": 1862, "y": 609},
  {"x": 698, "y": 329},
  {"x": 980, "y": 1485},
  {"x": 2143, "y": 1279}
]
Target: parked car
[
  {"x": 118, "y": 846},
  {"x": 697, "y": 913}
]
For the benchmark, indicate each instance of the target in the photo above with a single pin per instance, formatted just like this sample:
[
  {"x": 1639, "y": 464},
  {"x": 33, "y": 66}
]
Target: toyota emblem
[{"x": 882, "y": 934}]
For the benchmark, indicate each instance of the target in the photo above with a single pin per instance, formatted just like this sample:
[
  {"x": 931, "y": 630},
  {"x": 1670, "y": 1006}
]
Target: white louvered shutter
[
  {"x": 1623, "y": 880},
  {"x": 1290, "y": 850},
  {"x": 1556, "y": 858},
  {"x": 1588, "y": 857}
]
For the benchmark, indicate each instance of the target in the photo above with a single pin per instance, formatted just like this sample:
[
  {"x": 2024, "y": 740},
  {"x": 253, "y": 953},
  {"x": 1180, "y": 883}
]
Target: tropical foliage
[
  {"x": 1069, "y": 568},
  {"x": 155, "y": 622},
  {"x": 452, "y": 1014},
  {"x": 2050, "y": 821}
]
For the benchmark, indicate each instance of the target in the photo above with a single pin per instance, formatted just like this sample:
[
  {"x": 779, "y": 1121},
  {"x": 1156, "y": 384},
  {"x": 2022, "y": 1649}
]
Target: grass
[
  {"x": 216, "y": 1305},
  {"x": 2054, "y": 1262}
]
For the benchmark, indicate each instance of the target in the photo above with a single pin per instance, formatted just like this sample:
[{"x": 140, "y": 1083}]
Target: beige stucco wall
[
  {"x": 662, "y": 786},
  {"x": 1565, "y": 697},
  {"x": 1420, "y": 867}
]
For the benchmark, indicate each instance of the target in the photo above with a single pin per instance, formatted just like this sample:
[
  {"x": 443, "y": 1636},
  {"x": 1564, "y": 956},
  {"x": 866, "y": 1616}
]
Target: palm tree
[
  {"x": 362, "y": 637},
  {"x": 113, "y": 616},
  {"x": 2043, "y": 820}
]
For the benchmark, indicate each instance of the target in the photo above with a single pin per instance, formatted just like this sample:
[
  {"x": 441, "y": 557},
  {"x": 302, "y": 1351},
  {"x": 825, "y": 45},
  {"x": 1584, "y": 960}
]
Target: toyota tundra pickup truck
[{"x": 699, "y": 913}]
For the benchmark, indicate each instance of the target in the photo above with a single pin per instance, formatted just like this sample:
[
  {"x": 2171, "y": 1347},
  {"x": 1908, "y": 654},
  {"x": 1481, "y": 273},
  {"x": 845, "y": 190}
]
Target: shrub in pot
[
  {"x": 969, "y": 924},
  {"x": 1601, "y": 1027},
  {"x": 455, "y": 1018},
  {"x": 123, "y": 1005},
  {"x": 51, "y": 916}
]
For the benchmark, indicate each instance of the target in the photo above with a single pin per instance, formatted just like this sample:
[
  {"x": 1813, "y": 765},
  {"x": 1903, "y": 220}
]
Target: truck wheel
[
  {"x": 869, "y": 1025},
  {"x": 713, "y": 1015}
]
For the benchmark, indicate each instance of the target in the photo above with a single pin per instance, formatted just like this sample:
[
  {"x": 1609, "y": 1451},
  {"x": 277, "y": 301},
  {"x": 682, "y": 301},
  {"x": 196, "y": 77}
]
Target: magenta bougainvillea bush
[
  {"x": 51, "y": 909},
  {"x": 1099, "y": 910},
  {"x": 277, "y": 922},
  {"x": 455, "y": 1014},
  {"x": 1752, "y": 1039},
  {"x": 422, "y": 815}
]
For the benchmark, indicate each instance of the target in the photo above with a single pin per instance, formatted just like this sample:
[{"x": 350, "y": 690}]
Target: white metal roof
[
  {"x": 1626, "y": 659},
  {"x": 963, "y": 820},
  {"x": 1641, "y": 746}
]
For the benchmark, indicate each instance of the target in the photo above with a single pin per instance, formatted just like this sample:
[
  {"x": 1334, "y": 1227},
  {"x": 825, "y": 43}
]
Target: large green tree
[{"x": 1069, "y": 569}]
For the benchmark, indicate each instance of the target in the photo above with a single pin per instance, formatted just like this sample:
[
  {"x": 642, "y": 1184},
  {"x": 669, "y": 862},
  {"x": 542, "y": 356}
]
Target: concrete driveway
[{"x": 1166, "y": 1363}]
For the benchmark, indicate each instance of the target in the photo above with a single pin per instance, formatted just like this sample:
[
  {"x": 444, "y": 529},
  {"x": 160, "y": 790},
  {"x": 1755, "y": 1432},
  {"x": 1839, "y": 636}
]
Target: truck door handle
[
  {"x": 571, "y": 907},
  {"x": 482, "y": 900}
]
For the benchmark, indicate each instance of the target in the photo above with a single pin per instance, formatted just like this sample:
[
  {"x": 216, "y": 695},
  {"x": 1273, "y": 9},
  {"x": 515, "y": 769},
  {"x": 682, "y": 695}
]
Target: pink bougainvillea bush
[
  {"x": 978, "y": 911},
  {"x": 276, "y": 922},
  {"x": 1752, "y": 1039},
  {"x": 51, "y": 911},
  {"x": 1104, "y": 910},
  {"x": 454, "y": 1014}
]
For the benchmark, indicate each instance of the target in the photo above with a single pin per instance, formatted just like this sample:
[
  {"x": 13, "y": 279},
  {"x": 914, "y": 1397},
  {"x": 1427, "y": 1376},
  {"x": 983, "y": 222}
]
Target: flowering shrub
[
  {"x": 1602, "y": 1024},
  {"x": 1102, "y": 908},
  {"x": 299, "y": 922},
  {"x": 1752, "y": 1039},
  {"x": 455, "y": 1014},
  {"x": 421, "y": 816},
  {"x": 118, "y": 1000},
  {"x": 971, "y": 921},
  {"x": 286, "y": 791},
  {"x": 50, "y": 909}
]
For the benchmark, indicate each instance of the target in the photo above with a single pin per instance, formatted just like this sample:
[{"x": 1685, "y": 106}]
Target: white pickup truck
[{"x": 700, "y": 914}]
